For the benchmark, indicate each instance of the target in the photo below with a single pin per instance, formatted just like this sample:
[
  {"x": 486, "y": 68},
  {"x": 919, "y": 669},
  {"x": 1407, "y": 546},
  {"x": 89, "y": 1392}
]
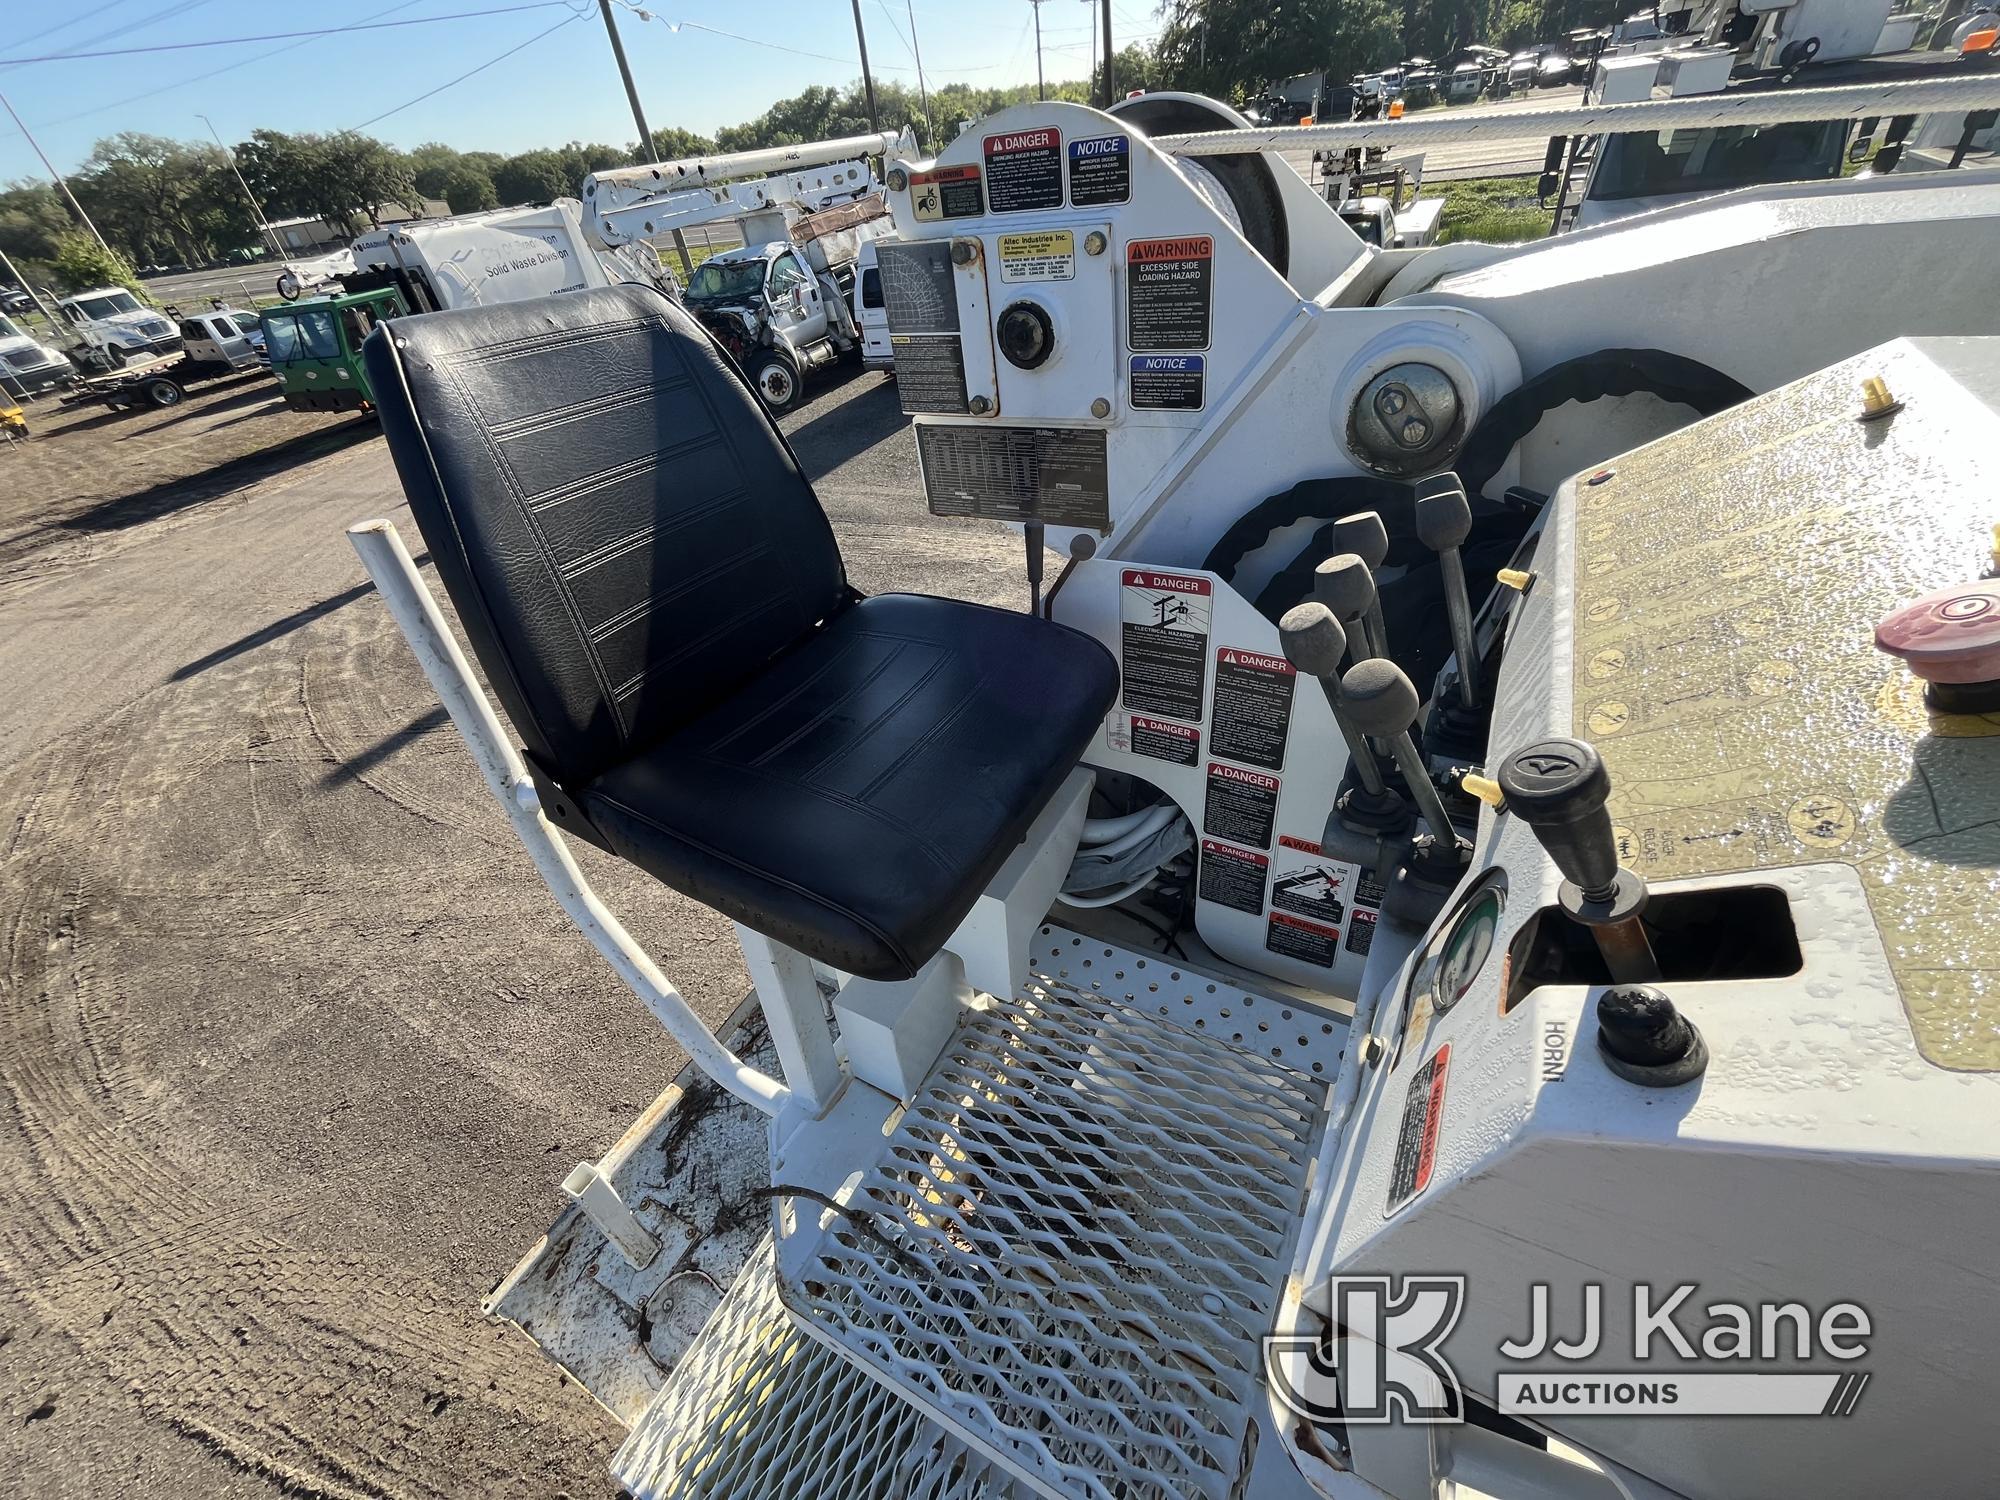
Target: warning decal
[
  {"x": 1361, "y": 930},
  {"x": 1416, "y": 1141},
  {"x": 1168, "y": 292},
  {"x": 1163, "y": 645},
  {"x": 945, "y": 193},
  {"x": 1042, "y": 255},
  {"x": 1100, "y": 170},
  {"x": 1024, "y": 170},
  {"x": 1307, "y": 884},
  {"x": 1179, "y": 744},
  {"x": 1241, "y": 805},
  {"x": 1232, "y": 877},
  {"x": 1167, "y": 382},
  {"x": 1253, "y": 707},
  {"x": 1052, "y": 474},
  {"x": 1295, "y": 937}
]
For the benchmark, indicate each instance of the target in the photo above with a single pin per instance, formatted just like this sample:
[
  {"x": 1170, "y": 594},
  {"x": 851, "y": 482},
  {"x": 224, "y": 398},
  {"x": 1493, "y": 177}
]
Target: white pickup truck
[{"x": 1380, "y": 223}]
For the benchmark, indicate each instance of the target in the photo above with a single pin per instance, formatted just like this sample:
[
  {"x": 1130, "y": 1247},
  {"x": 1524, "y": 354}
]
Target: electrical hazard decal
[
  {"x": 1232, "y": 877},
  {"x": 1253, "y": 707},
  {"x": 1167, "y": 382},
  {"x": 1164, "y": 623},
  {"x": 1024, "y": 171},
  {"x": 1100, "y": 170},
  {"x": 1241, "y": 805},
  {"x": 1169, "y": 293},
  {"x": 945, "y": 193},
  {"x": 1161, "y": 739},
  {"x": 1040, "y": 255},
  {"x": 1417, "y": 1140}
]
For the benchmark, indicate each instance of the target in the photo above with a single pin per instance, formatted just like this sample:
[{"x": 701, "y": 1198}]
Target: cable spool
[{"x": 1252, "y": 204}]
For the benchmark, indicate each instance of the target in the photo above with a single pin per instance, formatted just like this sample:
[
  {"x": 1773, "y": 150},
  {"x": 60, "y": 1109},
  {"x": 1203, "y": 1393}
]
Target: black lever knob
[
  {"x": 1444, "y": 515},
  {"x": 1645, "y": 1039},
  {"x": 1344, "y": 585},
  {"x": 1314, "y": 643},
  {"x": 1364, "y": 535},
  {"x": 1558, "y": 787},
  {"x": 1444, "y": 521},
  {"x": 1383, "y": 703}
]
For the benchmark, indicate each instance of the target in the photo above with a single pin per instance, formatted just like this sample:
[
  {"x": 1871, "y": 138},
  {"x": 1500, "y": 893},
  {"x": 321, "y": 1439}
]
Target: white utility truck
[
  {"x": 113, "y": 327},
  {"x": 1451, "y": 952},
  {"x": 28, "y": 366},
  {"x": 782, "y": 303}
]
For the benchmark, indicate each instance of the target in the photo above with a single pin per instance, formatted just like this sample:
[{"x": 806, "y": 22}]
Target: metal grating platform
[
  {"x": 757, "y": 1411},
  {"x": 1071, "y": 1243}
]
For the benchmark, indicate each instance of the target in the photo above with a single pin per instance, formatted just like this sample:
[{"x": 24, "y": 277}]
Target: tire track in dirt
[{"x": 326, "y": 1375}]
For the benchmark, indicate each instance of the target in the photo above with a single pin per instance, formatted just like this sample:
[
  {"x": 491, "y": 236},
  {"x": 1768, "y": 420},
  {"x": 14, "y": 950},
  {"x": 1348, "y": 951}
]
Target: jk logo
[{"x": 1382, "y": 1360}]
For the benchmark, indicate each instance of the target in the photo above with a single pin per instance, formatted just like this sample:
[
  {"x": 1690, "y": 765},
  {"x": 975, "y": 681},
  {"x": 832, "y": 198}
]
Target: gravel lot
[{"x": 294, "y": 1048}]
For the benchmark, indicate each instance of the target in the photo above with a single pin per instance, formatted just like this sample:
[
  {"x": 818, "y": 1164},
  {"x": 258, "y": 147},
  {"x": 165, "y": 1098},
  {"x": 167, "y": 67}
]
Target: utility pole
[
  {"x": 1093, "y": 51},
  {"x": 923, "y": 89},
  {"x": 1110, "y": 84},
  {"x": 1041, "y": 88},
  {"x": 50, "y": 166},
  {"x": 867, "y": 78},
  {"x": 255, "y": 208},
  {"x": 646, "y": 147}
]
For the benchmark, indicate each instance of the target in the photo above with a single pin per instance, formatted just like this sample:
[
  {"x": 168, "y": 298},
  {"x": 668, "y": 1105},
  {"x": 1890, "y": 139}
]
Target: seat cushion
[{"x": 854, "y": 799}]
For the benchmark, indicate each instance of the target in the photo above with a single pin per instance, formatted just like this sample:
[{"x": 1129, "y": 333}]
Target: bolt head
[
  {"x": 1392, "y": 402},
  {"x": 962, "y": 252},
  {"x": 1416, "y": 432},
  {"x": 1100, "y": 407},
  {"x": 898, "y": 179},
  {"x": 979, "y": 406},
  {"x": 1095, "y": 243}
]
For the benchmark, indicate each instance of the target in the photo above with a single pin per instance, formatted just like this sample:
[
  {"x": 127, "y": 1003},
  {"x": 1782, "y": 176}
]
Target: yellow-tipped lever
[
  {"x": 1515, "y": 578},
  {"x": 1484, "y": 788}
]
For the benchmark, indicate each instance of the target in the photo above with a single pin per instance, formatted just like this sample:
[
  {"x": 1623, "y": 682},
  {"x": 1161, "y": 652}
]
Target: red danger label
[
  {"x": 1161, "y": 726},
  {"x": 1023, "y": 140},
  {"x": 1417, "y": 1140},
  {"x": 1247, "y": 778},
  {"x": 1146, "y": 252},
  {"x": 1135, "y": 579},
  {"x": 1232, "y": 658}
]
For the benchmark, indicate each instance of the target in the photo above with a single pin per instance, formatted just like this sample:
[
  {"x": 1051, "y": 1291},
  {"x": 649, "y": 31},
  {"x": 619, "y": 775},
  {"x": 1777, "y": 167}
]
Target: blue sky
[{"x": 561, "y": 87}]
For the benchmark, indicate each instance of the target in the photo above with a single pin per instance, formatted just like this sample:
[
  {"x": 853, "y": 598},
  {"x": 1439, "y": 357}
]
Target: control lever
[
  {"x": 1036, "y": 533},
  {"x": 1384, "y": 705},
  {"x": 1082, "y": 547},
  {"x": 1344, "y": 585},
  {"x": 1444, "y": 521},
  {"x": 1367, "y": 816},
  {"x": 1559, "y": 787},
  {"x": 1367, "y": 538}
]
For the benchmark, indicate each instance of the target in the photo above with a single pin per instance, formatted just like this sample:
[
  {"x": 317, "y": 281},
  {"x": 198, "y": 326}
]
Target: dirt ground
[{"x": 294, "y": 1048}]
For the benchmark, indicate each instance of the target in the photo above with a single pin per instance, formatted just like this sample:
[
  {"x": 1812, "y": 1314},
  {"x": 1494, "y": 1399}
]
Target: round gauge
[{"x": 1465, "y": 948}]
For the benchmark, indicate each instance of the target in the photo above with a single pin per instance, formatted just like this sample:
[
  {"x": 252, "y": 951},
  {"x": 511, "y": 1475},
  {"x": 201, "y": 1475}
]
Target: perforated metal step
[
  {"x": 758, "y": 1411},
  {"x": 1071, "y": 1243}
]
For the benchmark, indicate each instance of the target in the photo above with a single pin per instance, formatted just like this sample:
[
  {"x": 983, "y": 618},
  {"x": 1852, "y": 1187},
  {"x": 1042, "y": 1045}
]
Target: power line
[
  {"x": 72, "y": 21},
  {"x": 566, "y": 20},
  {"x": 250, "y": 61},
  {"x": 286, "y": 36}
]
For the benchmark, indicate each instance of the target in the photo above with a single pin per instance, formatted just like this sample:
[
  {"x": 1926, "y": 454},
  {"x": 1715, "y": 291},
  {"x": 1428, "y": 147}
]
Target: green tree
[
  {"x": 467, "y": 188},
  {"x": 534, "y": 177},
  {"x": 345, "y": 178},
  {"x": 672, "y": 145},
  {"x": 32, "y": 220},
  {"x": 165, "y": 200},
  {"x": 80, "y": 263},
  {"x": 1233, "y": 48}
]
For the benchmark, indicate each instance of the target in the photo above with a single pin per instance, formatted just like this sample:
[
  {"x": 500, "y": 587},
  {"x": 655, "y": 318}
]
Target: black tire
[
  {"x": 777, "y": 382},
  {"x": 161, "y": 392}
]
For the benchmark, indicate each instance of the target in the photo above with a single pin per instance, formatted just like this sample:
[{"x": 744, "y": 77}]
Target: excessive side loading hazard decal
[{"x": 1169, "y": 293}]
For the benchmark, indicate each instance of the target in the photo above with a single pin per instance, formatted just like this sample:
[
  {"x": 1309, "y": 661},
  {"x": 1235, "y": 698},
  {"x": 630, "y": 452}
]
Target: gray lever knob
[
  {"x": 1558, "y": 787},
  {"x": 1383, "y": 703},
  {"x": 1344, "y": 585},
  {"x": 1313, "y": 640},
  {"x": 1444, "y": 519},
  {"x": 1364, "y": 535}
]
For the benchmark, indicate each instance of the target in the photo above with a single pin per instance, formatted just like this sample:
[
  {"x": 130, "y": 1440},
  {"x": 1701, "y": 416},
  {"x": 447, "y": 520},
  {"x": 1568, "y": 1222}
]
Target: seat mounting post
[
  {"x": 506, "y": 775},
  {"x": 789, "y": 995}
]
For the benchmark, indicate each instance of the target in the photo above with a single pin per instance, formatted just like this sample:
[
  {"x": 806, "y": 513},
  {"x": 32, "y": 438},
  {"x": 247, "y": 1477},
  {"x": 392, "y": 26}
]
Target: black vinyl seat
[{"x": 656, "y": 598}]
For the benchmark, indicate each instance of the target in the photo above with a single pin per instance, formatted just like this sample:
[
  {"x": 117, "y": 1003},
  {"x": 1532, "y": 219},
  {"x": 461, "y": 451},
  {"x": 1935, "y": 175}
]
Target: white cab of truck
[
  {"x": 115, "y": 327},
  {"x": 28, "y": 367},
  {"x": 507, "y": 255},
  {"x": 871, "y": 314}
]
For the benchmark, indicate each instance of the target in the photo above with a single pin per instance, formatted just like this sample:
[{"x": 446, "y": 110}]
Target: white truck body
[
  {"x": 28, "y": 366},
  {"x": 115, "y": 327},
  {"x": 871, "y": 314},
  {"x": 505, "y": 256}
]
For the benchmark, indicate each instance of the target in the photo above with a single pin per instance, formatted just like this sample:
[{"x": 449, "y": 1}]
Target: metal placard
[{"x": 1056, "y": 475}]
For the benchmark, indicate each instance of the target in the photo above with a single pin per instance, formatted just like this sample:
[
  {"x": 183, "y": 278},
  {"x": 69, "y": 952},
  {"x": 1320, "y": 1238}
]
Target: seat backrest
[{"x": 625, "y": 534}]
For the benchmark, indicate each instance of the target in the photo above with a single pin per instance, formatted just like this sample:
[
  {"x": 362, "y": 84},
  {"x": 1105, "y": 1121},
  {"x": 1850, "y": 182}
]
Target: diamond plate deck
[{"x": 1071, "y": 1243}]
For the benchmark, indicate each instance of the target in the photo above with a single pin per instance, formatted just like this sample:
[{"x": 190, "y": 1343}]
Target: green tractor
[{"x": 315, "y": 347}]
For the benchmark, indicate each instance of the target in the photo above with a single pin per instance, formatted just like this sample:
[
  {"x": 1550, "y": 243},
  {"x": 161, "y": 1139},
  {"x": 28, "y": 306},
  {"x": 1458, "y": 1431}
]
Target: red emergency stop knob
[{"x": 1951, "y": 639}]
